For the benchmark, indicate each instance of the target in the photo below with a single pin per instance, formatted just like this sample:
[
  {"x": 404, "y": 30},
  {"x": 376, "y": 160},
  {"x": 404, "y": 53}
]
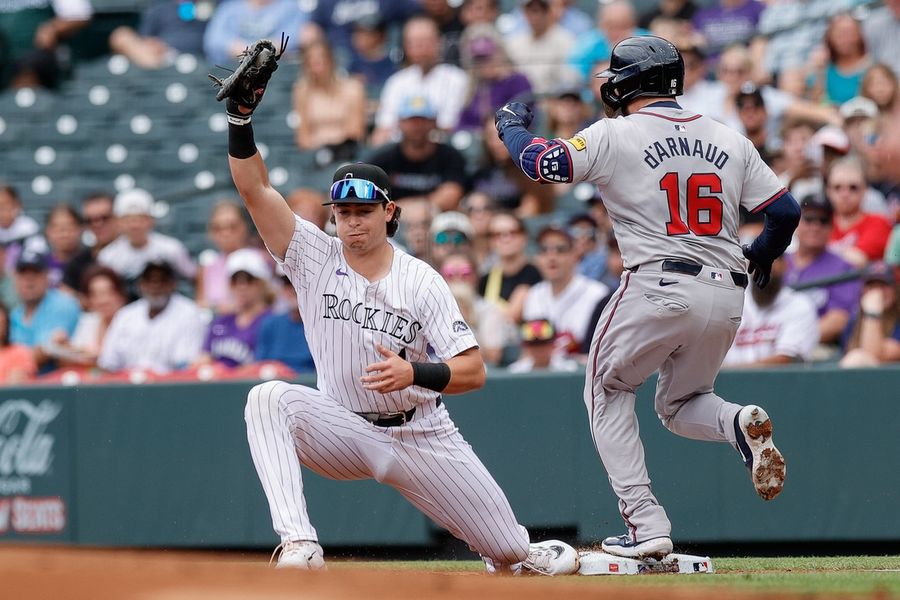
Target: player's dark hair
[{"x": 394, "y": 223}]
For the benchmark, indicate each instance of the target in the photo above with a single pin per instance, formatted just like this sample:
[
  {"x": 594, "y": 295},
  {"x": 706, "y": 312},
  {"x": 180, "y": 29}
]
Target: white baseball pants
[{"x": 427, "y": 460}]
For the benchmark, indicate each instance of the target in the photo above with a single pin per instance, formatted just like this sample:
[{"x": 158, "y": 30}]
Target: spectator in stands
[
  {"x": 873, "y": 336},
  {"x": 479, "y": 11},
  {"x": 231, "y": 339},
  {"x": 778, "y": 326},
  {"x": 103, "y": 229},
  {"x": 811, "y": 260},
  {"x": 8, "y": 297},
  {"x": 488, "y": 323},
  {"x": 882, "y": 30},
  {"x": 480, "y": 208},
  {"x": 446, "y": 15},
  {"x": 540, "y": 52},
  {"x": 860, "y": 124},
  {"x": 451, "y": 233},
  {"x": 331, "y": 106},
  {"x": 678, "y": 13},
  {"x": 564, "y": 297},
  {"x": 836, "y": 68},
  {"x": 43, "y": 312},
  {"x": 493, "y": 81},
  {"x": 538, "y": 350},
  {"x": 333, "y": 20},
  {"x": 282, "y": 337},
  {"x": 613, "y": 276},
  {"x": 105, "y": 294},
  {"x": 795, "y": 166},
  {"x": 727, "y": 22},
  {"x": 417, "y": 164},
  {"x": 138, "y": 244},
  {"x": 735, "y": 67},
  {"x": 443, "y": 85},
  {"x": 161, "y": 332},
  {"x": 879, "y": 84},
  {"x": 572, "y": 19},
  {"x": 166, "y": 28},
  {"x": 892, "y": 252},
  {"x": 15, "y": 226},
  {"x": 499, "y": 177},
  {"x": 16, "y": 360},
  {"x": 63, "y": 233},
  {"x": 589, "y": 250},
  {"x": 616, "y": 21},
  {"x": 567, "y": 113},
  {"x": 372, "y": 63},
  {"x": 307, "y": 203},
  {"x": 415, "y": 228},
  {"x": 508, "y": 281},
  {"x": 227, "y": 228},
  {"x": 237, "y": 24},
  {"x": 858, "y": 237},
  {"x": 34, "y": 33},
  {"x": 751, "y": 111}
]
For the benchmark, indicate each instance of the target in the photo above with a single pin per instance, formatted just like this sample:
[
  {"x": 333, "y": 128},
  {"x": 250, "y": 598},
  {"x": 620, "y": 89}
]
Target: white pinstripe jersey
[
  {"x": 672, "y": 181},
  {"x": 410, "y": 310}
]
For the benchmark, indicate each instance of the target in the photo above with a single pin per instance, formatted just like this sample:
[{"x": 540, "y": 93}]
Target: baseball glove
[{"x": 246, "y": 84}]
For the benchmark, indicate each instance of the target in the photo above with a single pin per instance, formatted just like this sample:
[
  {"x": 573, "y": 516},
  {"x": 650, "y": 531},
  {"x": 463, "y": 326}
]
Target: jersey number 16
[{"x": 704, "y": 213}]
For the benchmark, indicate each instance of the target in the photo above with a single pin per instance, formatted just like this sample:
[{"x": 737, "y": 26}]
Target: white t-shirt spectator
[
  {"x": 445, "y": 86},
  {"x": 129, "y": 262},
  {"x": 543, "y": 59},
  {"x": 569, "y": 312},
  {"x": 786, "y": 327},
  {"x": 170, "y": 341},
  {"x": 558, "y": 363},
  {"x": 708, "y": 98}
]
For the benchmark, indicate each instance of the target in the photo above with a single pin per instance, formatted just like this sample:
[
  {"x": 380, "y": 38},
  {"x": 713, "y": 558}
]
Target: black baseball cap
[
  {"x": 158, "y": 264},
  {"x": 32, "y": 260},
  {"x": 816, "y": 202},
  {"x": 348, "y": 186}
]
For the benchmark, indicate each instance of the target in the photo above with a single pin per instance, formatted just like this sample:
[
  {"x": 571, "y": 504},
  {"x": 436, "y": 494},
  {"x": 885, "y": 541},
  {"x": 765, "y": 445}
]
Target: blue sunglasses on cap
[{"x": 359, "y": 189}]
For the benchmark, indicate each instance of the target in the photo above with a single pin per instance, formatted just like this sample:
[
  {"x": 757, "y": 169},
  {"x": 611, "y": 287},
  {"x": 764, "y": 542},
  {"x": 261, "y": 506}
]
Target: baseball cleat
[
  {"x": 626, "y": 547},
  {"x": 552, "y": 557},
  {"x": 304, "y": 555},
  {"x": 753, "y": 430}
]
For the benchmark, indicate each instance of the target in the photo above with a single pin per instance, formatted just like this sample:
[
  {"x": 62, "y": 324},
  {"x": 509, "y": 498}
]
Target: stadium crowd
[{"x": 96, "y": 289}]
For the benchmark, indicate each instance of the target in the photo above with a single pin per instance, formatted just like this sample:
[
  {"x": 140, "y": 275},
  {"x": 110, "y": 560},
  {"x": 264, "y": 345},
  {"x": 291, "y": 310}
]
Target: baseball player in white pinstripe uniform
[{"x": 388, "y": 340}]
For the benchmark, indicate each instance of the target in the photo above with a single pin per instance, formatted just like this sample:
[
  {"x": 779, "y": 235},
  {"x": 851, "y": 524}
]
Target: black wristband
[
  {"x": 240, "y": 140},
  {"x": 434, "y": 376}
]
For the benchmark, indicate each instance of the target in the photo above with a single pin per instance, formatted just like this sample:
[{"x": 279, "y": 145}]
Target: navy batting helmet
[{"x": 642, "y": 66}]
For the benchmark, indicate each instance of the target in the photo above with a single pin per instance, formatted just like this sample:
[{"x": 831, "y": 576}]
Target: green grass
[{"x": 811, "y": 575}]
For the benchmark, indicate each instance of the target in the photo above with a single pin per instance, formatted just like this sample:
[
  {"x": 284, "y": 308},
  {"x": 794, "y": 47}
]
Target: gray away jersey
[
  {"x": 410, "y": 311},
  {"x": 672, "y": 181}
]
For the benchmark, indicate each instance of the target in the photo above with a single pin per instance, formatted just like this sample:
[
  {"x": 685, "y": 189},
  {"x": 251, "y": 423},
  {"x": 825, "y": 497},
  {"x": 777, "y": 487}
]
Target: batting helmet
[{"x": 642, "y": 66}]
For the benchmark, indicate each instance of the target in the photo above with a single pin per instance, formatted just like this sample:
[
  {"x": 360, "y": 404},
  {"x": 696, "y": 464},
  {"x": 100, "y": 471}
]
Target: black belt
[
  {"x": 392, "y": 419},
  {"x": 677, "y": 266}
]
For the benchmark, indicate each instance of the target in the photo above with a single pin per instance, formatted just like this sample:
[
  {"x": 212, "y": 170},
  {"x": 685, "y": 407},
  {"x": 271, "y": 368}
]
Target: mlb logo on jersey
[
  {"x": 680, "y": 127},
  {"x": 717, "y": 276}
]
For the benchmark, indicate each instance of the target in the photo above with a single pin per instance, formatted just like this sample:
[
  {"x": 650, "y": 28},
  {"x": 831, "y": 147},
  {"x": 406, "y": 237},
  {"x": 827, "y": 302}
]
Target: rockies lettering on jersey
[
  {"x": 369, "y": 317},
  {"x": 657, "y": 153}
]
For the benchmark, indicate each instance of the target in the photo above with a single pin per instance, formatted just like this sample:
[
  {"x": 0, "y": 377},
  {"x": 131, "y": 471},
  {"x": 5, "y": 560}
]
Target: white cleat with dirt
[
  {"x": 304, "y": 555},
  {"x": 753, "y": 429},
  {"x": 551, "y": 557}
]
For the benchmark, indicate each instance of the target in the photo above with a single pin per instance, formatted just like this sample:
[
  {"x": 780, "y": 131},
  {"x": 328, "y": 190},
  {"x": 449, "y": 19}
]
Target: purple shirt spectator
[
  {"x": 723, "y": 25},
  {"x": 843, "y": 296},
  {"x": 231, "y": 345},
  {"x": 488, "y": 97}
]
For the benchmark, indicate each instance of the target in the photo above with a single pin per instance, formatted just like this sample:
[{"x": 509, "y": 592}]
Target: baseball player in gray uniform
[
  {"x": 388, "y": 342},
  {"x": 673, "y": 182}
]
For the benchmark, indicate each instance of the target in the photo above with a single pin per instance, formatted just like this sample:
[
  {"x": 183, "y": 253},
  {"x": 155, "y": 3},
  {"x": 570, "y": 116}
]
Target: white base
[{"x": 600, "y": 563}]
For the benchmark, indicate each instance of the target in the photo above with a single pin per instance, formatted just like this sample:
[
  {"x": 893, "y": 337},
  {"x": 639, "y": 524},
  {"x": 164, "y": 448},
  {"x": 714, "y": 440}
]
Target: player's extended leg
[
  {"x": 442, "y": 477},
  {"x": 686, "y": 404}
]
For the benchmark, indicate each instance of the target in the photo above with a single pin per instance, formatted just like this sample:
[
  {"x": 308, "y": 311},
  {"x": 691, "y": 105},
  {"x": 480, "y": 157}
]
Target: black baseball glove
[
  {"x": 245, "y": 86},
  {"x": 760, "y": 268}
]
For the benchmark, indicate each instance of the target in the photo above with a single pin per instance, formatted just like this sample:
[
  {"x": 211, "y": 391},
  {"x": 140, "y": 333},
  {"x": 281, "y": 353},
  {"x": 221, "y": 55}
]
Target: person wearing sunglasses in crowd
[
  {"x": 509, "y": 280},
  {"x": 102, "y": 227},
  {"x": 451, "y": 231},
  {"x": 389, "y": 342},
  {"x": 538, "y": 350},
  {"x": 857, "y": 236}
]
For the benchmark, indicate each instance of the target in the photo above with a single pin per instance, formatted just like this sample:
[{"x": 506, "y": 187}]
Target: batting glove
[
  {"x": 513, "y": 113},
  {"x": 760, "y": 268}
]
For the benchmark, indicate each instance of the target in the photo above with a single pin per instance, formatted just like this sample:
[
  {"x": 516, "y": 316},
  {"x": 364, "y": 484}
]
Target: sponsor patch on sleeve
[{"x": 578, "y": 142}]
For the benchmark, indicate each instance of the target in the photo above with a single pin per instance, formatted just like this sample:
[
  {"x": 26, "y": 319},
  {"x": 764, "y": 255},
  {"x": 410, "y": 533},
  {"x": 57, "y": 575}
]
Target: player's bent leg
[
  {"x": 275, "y": 458},
  {"x": 442, "y": 477},
  {"x": 704, "y": 417}
]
